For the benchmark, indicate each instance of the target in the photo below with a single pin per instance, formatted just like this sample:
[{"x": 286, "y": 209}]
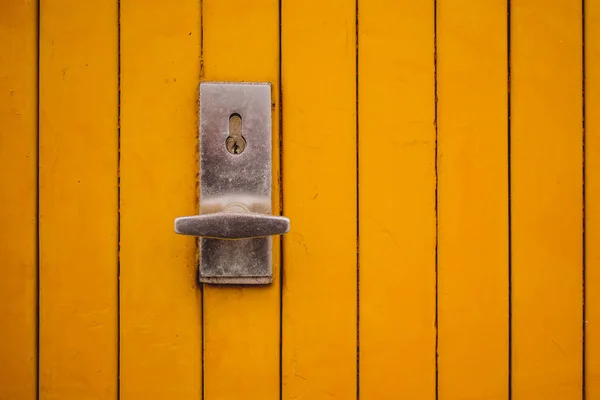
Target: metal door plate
[{"x": 235, "y": 182}]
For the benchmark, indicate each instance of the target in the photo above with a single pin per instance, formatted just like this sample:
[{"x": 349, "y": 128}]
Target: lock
[{"x": 235, "y": 225}]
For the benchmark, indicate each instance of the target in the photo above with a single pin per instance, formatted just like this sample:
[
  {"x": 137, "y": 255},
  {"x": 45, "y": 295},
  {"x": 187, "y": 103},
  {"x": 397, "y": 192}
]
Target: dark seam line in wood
[
  {"x": 356, "y": 34},
  {"x": 583, "y": 235},
  {"x": 118, "y": 199},
  {"x": 509, "y": 172},
  {"x": 435, "y": 123},
  {"x": 37, "y": 206},
  {"x": 281, "y": 241}
]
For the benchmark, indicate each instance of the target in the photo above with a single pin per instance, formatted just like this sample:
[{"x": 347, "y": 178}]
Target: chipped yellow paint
[
  {"x": 18, "y": 199},
  {"x": 319, "y": 191},
  {"x": 473, "y": 279},
  {"x": 546, "y": 180},
  {"x": 592, "y": 201},
  {"x": 78, "y": 199},
  {"x": 160, "y": 300},
  {"x": 241, "y": 338},
  {"x": 397, "y": 199}
]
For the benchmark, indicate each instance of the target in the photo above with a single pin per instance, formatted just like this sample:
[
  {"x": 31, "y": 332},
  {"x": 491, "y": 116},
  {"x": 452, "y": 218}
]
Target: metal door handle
[
  {"x": 232, "y": 225},
  {"x": 236, "y": 181}
]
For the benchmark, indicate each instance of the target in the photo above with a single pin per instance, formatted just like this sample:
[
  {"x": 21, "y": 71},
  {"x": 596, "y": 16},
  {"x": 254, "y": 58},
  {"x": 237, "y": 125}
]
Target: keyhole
[{"x": 235, "y": 143}]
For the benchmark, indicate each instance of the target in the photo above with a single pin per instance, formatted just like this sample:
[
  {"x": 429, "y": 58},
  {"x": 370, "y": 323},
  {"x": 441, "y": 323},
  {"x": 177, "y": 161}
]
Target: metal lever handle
[{"x": 230, "y": 225}]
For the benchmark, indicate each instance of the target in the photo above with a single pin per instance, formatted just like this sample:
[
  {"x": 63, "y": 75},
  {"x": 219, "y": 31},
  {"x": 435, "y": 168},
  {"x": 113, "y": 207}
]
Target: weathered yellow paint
[
  {"x": 160, "y": 300},
  {"x": 397, "y": 199},
  {"x": 385, "y": 187},
  {"x": 78, "y": 199},
  {"x": 546, "y": 193},
  {"x": 473, "y": 279},
  {"x": 592, "y": 200},
  {"x": 241, "y": 337},
  {"x": 319, "y": 191},
  {"x": 18, "y": 201}
]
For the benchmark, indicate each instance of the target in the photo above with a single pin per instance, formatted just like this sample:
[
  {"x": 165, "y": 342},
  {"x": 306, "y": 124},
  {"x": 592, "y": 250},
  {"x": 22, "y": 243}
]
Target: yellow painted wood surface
[
  {"x": 592, "y": 199},
  {"x": 160, "y": 302},
  {"x": 397, "y": 199},
  {"x": 546, "y": 179},
  {"x": 473, "y": 280},
  {"x": 78, "y": 107},
  {"x": 319, "y": 336},
  {"x": 120, "y": 310},
  {"x": 241, "y": 325},
  {"x": 18, "y": 199}
]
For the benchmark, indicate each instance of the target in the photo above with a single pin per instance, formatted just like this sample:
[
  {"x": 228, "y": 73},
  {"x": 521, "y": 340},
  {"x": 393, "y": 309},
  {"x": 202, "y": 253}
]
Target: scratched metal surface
[{"x": 235, "y": 180}]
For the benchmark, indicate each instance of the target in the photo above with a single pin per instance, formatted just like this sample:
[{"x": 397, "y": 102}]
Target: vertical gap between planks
[
  {"x": 435, "y": 123},
  {"x": 118, "y": 199},
  {"x": 281, "y": 242},
  {"x": 356, "y": 33},
  {"x": 37, "y": 212},
  {"x": 583, "y": 235},
  {"x": 509, "y": 172}
]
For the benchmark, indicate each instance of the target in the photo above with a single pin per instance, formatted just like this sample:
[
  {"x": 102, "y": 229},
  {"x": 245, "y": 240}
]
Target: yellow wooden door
[{"x": 439, "y": 161}]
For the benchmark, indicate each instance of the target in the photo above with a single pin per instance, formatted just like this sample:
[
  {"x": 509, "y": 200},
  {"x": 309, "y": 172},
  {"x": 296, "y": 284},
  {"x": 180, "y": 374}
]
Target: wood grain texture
[
  {"x": 78, "y": 109},
  {"x": 473, "y": 203},
  {"x": 160, "y": 299},
  {"x": 18, "y": 201},
  {"x": 546, "y": 157},
  {"x": 320, "y": 195},
  {"x": 241, "y": 339},
  {"x": 397, "y": 199}
]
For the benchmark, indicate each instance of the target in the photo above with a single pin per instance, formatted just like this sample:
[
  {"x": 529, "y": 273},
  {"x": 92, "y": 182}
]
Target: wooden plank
[
  {"x": 592, "y": 200},
  {"x": 397, "y": 199},
  {"x": 241, "y": 339},
  {"x": 78, "y": 199},
  {"x": 546, "y": 190},
  {"x": 473, "y": 227},
  {"x": 18, "y": 202},
  {"x": 160, "y": 298},
  {"x": 320, "y": 197}
]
